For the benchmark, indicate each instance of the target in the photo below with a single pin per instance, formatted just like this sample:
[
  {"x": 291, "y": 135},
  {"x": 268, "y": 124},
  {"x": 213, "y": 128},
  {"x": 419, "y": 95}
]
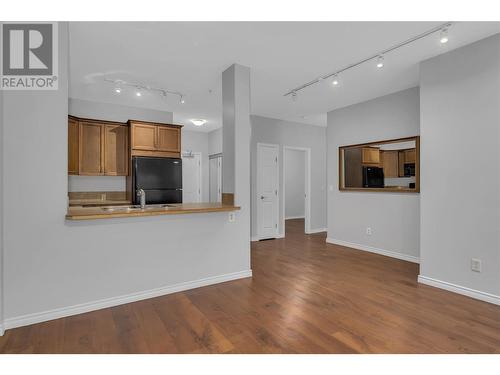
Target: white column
[{"x": 236, "y": 134}]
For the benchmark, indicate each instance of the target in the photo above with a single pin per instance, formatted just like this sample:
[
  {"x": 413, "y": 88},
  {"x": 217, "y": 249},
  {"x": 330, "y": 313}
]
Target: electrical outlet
[
  {"x": 232, "y": 217},
  {"x": 369, "y": 231},
  {"x": 475, "y": 265}
]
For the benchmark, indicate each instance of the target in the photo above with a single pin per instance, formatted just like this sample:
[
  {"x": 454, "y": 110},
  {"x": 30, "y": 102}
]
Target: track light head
[
  {"x": 443, "y": 36},
  {"x": 182, "y": 100},
  {"x": 294, "y": 96},
  {"x": 380, "y": 61},
  {"x": 336, "y": 80}
]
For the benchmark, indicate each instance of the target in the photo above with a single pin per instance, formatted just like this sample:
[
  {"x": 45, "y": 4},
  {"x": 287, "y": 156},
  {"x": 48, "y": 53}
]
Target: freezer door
[{"x": 157, "y": 173}]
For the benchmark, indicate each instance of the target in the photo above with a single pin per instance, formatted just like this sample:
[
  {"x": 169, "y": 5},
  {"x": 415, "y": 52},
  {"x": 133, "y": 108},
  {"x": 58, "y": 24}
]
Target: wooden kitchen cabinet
[
  {"x": 168, "y": 139},
  {"x": 390, "y": 163},
  {"x": 73, "y": 146},
  {"x": 151, "y": 139},
  {"x": 410, "y": 156},
  {"x": 370, "y": 155},
  {"x": 97, "y": 148},
  {"x": 143, "y": 136},
  {"x": 116, "y": 148},
  {"x": 91, "y": 149}
]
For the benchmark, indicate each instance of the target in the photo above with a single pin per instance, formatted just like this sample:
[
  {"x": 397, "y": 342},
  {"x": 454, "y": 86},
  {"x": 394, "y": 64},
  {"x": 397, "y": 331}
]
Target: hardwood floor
[{"x": 305, "y": 296}]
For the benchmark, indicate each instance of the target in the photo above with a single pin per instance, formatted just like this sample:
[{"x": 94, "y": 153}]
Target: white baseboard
[
  {"x": 254, "y": 238},
  {"x": 2, "y": 331},
  {"x": 486, "y": 297},
  {"x": 294, "y": 217},
  {"x": 317, "y": 230},
  {"x": 28, "y": 319},
  {"x": 392, "y": 254}
]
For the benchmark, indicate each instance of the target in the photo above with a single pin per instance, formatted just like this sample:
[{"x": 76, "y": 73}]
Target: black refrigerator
[{"x": 160, "y": 178}]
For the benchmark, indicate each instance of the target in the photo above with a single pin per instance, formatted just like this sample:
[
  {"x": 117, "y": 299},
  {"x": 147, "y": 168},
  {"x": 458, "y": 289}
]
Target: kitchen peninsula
[{"x": 149, "y": 156}]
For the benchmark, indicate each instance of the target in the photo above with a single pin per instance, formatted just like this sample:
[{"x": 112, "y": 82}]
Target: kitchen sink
[{"x": 135, "y": 208}]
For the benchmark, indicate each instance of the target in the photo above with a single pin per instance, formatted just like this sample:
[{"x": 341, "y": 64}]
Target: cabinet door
[
  {"x": 401, "y": 163},
  {"x": 390, "y": 164},
  {"x": 410, "y": 156},
  {"x": 168, "y": 139},
  {"x": 143, "y": 137},
  {"x": 370, "y": 155},
  {"x": 115, "y": 150},
  {"x": 91, "y": 147},
  {"x": 73, "y": 136}
]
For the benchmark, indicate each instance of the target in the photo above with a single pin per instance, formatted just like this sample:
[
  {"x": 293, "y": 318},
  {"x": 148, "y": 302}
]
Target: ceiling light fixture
[
  {"x": 199, "y": 122},
  {"x": 119, "y": 85},
  {"x": 380, "y": 61},
  {"x": 443, "y": 38},
  {"x": 294, "y": 96},
  {"x": 436, "y": 29},
  {"x": 336, "y": 80}
]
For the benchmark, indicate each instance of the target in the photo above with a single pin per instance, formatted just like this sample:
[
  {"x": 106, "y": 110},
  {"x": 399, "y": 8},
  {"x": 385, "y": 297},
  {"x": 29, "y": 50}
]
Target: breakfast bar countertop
[{"x": 108, "y": 212}]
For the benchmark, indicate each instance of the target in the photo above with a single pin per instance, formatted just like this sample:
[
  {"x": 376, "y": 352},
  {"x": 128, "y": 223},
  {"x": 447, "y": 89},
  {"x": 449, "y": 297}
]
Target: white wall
[
  {"x": 52, "y": 264},
  {"x": 215, "y": 142},
  {"x": 460, "y": 199},
  {"x": 286, "y": 133},
  {"x": 393, "y": 217},
  {"x": 191, "y": 140},
  {"x": 295, "y": 188},
  {"x": 1, "y": 210}
]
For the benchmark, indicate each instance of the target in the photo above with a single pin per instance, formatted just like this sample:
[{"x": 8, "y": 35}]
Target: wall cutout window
[{"x": 382, "y": 166}]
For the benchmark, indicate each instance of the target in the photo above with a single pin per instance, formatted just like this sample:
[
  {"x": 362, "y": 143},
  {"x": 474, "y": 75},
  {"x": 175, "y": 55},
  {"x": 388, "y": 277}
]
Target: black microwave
[{"x": 409, "y": 169}]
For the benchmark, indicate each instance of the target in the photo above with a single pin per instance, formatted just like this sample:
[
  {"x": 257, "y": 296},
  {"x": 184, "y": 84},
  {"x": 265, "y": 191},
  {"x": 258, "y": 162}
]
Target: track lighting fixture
[
  {"x": 443, "y": 38},
  {"x": 380, "y": 61},
  {"x": 442, "y": 29},
  {"x": 139, "y": 88}
]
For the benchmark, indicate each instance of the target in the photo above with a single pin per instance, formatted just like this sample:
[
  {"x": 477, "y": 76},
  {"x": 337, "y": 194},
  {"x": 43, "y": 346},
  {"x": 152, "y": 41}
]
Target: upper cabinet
[
  {"x": 149, "y": 139},
  {"x": 91, "y": 149},
  {"x": 116, "y": 146},
  {"x": 97, "y": 148},
  {"x": 73, "y": 146},
  {"x": 370, "y": 155},
  {"x": 143, "y": 136},
  {"x": 390, "y": 161}
]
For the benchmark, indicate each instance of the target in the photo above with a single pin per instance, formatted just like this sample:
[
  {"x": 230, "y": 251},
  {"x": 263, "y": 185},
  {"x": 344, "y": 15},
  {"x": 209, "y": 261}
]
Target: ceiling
[{"x": 189, "y": 57}]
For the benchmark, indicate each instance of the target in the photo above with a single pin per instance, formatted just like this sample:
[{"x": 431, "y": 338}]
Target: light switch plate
[{"x": 232, "y": 217}]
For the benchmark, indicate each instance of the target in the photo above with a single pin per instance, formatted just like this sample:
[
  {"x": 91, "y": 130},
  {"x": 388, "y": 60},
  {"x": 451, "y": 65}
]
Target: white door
[
  {"x": 267, "y": 190},
  {"x": 216, "y": 179},
  {"x": 191, "y": 178}
]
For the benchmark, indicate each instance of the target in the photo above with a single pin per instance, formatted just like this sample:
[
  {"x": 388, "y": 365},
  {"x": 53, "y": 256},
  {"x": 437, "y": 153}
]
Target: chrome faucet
[{"x": 142, "y": 196}]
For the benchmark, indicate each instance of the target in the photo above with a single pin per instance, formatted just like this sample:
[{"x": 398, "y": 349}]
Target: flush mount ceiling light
[
  {"x": 443, "y": 29},
  {"x": 336, "y": 80},
  {"x": 443, "y": 38},
  {"x": 199, "y": 122},
  {"x": 120, "y": 85},
  {"x": 380, "y": 61}
]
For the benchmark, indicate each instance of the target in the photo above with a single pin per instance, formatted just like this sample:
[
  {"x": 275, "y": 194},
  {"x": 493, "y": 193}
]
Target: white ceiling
[{"x": 190, "y": 56}]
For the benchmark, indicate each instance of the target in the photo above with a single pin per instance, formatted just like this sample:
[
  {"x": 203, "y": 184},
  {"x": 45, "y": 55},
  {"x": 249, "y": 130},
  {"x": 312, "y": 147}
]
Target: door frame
[
  {"x": 257, "y": 190},
  {"x": 307, "y": 185},
  {"x": 200, "y": 170},
  {"x": 219, "y": 177}
]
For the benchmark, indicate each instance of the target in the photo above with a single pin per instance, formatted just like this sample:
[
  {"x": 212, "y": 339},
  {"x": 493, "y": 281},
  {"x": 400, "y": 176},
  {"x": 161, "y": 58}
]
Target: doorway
[
  {"x": 297, "y": 186},
  {"x": 191, "y": 177},
  {"x": 215, "y": 176},
  {"x": 267, "y": 190}
]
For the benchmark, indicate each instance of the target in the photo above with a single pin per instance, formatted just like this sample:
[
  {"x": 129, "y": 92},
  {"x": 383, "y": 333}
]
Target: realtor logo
[{"x": 29, "y": 56}]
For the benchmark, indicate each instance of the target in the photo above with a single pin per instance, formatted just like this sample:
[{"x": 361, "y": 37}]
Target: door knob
[{"x": 262, "y": 197}]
